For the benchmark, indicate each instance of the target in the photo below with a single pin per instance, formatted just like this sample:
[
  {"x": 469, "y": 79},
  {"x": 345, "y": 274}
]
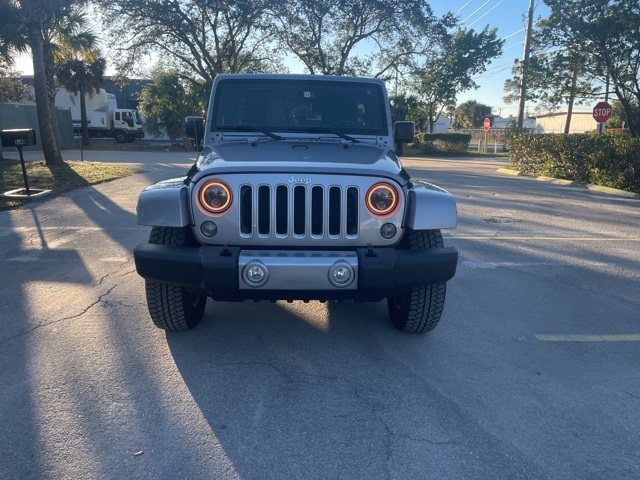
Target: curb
[
  {"x": 612, "y": 191},
  {"x": 510, "y": 171},
  {"x": 559, "y": 181}
]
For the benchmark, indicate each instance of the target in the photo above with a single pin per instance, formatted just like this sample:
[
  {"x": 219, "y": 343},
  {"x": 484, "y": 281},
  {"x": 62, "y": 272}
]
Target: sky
[{"x": 508, "y": 16}]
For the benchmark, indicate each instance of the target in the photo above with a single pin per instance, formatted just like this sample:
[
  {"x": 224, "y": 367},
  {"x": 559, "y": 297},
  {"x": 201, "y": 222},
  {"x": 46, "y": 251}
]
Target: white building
[
  {"x": 442, "y": 125},
  {"x": 553, "y": 122}
]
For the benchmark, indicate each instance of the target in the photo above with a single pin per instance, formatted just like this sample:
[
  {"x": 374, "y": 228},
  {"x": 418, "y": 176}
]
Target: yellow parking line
[{"x": 633, "y": 337}]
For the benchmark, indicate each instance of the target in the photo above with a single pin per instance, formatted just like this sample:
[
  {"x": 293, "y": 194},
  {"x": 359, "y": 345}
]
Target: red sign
[
  {"x": 487, "y": 124},
  {"x": 602, "y": 112}
]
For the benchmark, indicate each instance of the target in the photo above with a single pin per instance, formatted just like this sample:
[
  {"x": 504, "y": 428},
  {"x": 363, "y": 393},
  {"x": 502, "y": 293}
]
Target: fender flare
[
  {"x": 164, "y": 204},
  {"x": 430, "y": 207}
]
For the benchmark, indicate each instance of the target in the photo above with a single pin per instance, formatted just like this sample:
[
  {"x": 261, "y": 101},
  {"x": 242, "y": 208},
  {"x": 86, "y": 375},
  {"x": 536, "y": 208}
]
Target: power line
[
  {"x": 488, "y": 75},
  {"x": 514, "y": 33},
  {"x": 486, "y": 13},
  {"x": 513, "y": 45},
  {"x": 491, "y": 72},
  {"x": 497, "y": 66},
  {"x": 462, "y": 7},
  {"x": 476, "y": 11}
]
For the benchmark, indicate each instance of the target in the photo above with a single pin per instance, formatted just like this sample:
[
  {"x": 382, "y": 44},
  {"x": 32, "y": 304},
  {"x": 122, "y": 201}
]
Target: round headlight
[
  {"x": 382, "y": 199},
  {"x": 215, "y": 196}
]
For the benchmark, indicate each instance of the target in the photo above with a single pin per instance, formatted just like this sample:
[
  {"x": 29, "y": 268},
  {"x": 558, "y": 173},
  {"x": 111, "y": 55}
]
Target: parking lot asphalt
[{"x": 534, "y": 371}]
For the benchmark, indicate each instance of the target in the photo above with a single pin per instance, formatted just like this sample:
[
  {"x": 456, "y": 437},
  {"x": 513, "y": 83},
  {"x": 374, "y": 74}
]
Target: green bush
[
  {"x": 442, "y": 142},
  {"x": 607, "y": 160}
]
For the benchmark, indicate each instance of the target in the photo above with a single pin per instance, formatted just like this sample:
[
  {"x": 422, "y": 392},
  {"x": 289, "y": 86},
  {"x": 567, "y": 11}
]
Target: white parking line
[
  {"x": 491, "y": 265},
  {"x": 633, "y": 337},
  {"x": 566, "y": 239}
]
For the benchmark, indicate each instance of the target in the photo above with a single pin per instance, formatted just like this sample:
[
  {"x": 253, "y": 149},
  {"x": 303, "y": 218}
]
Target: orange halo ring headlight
[
  {"x": 382, "y": 199},
  {"x": 215, "y": 196}
]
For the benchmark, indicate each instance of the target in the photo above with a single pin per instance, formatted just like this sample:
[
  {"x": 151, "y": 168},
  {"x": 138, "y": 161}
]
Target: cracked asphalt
[{"x": 534, "y": 371}]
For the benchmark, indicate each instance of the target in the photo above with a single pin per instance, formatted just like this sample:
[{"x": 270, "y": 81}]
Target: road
[{"x": 534, "y": 371}]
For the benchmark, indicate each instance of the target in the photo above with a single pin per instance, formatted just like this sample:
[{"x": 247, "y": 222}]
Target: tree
[
  {"x": 324, "y": 34},
  {"x": 402, "y": 106},
  {"x": 22, "y": 23},
  {"x": 12, "y": 88},
  {"x": 619, "y": 116},
  {"x": 166, "y": 102},
  {"x": 65, "y": 37},
  {"x": 471, "y": 114},
  {"x": 607, "y": 34},
  {"x": 199, "y": 38},
  {"x": 449, "y": 68},
  {"x": 555, "y": 77},
  {"x": 51, "y": 28},
  {"x": 13, "y": 39},
  {"x": 81, "y": 78},
  {"x": 34, "y": 13}
]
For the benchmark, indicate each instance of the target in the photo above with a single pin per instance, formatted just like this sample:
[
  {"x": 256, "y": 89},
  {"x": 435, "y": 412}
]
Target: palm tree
[
  {"x": 23, "y": 23},
  {"x": 31, "y": 23},
  {"x": 80, "y": 78},
  {"x": 65, "y": 37}
]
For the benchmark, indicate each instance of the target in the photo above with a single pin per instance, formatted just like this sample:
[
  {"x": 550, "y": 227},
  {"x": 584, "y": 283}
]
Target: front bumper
[{"x": 381, "y": 272}]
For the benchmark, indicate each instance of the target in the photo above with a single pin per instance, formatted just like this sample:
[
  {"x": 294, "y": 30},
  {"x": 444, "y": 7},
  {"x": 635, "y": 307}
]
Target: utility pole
[{"x": 525, "y": 62}]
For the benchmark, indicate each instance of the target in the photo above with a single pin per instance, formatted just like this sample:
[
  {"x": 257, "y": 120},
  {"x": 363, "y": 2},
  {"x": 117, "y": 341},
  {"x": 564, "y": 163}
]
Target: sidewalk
[{"x": 111, "y": 156}]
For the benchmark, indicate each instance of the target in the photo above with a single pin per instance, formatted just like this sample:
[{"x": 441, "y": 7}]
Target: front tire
[
  {"x": 120, "y": 136},
  {"x": 172, "y": 307},
  {"x": 419, "y": 310}
]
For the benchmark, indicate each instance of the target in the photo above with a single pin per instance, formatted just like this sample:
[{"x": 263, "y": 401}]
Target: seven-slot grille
[{"x": 298, "y": 211}]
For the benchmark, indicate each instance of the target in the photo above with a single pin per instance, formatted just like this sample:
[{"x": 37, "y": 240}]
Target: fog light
[
  {"x": 388, "y": 230},
  {"x": 208, "y": 229},
  {"x": 341, "y": 274},
  {"x": 255, "y": 274}
]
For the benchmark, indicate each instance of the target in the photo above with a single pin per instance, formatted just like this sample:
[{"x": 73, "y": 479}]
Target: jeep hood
[{"x": 296, "y": 157}]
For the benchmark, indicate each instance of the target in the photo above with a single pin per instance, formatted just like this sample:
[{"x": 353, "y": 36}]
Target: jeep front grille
[{"x": 298, "y": 211}]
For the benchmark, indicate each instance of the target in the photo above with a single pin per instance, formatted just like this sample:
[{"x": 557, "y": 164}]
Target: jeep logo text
[{"x": 303, "y": 180}]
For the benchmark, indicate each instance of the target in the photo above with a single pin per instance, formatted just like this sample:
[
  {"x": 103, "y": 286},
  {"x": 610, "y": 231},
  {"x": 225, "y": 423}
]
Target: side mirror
[
  {"x": 403, "y": 133},
  {"x": 194, "y": 129}
]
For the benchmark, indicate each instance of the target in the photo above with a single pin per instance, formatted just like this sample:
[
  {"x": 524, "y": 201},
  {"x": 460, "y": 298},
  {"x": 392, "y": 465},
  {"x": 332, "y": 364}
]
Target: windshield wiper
[
  {"x": 249, "y": 128},
  {"x": 323, "y": 130}
]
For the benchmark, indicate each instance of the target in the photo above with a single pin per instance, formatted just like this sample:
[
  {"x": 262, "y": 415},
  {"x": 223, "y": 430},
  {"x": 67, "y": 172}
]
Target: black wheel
[
  {"x": 120, "y": 136},
  {"x": 419, "y": 310},
  {"x": 172, "y": 307}
]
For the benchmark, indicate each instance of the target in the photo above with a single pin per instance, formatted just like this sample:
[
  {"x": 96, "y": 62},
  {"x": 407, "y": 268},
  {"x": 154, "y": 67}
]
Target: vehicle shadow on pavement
[{"x": 326, "y": 391}]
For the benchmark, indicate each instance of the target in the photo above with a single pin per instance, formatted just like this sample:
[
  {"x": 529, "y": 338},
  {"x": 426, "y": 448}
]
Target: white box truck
[{"x": 104, "y": 118}]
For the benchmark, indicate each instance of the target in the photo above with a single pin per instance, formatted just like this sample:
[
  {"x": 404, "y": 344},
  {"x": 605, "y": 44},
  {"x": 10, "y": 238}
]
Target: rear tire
[
  {"x": 172, "y": 307},
  {"x": 419, "y": 310}
]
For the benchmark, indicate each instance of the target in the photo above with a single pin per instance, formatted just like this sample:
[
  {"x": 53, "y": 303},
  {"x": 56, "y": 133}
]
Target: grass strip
[{"x": 70, "y": 175}]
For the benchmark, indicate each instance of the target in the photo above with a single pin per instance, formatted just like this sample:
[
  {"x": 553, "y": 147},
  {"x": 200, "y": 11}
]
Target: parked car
[{"x": 297, "y": 194}]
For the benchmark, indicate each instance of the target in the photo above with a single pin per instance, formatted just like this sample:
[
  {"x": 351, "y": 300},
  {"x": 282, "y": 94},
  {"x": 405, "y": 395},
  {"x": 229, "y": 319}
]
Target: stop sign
[
  {"x": 602, "y": 112},
  {"x": 487, "y": 124}
]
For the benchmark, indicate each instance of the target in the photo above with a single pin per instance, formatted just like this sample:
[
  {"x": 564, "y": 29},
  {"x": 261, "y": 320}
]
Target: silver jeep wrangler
[{"x": 297, "y": 194}]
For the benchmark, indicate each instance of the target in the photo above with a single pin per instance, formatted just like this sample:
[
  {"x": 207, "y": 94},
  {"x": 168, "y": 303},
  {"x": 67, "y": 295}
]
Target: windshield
[
  {"x": 297, "y": 105},
  {"x": 137, "y": 117}
]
